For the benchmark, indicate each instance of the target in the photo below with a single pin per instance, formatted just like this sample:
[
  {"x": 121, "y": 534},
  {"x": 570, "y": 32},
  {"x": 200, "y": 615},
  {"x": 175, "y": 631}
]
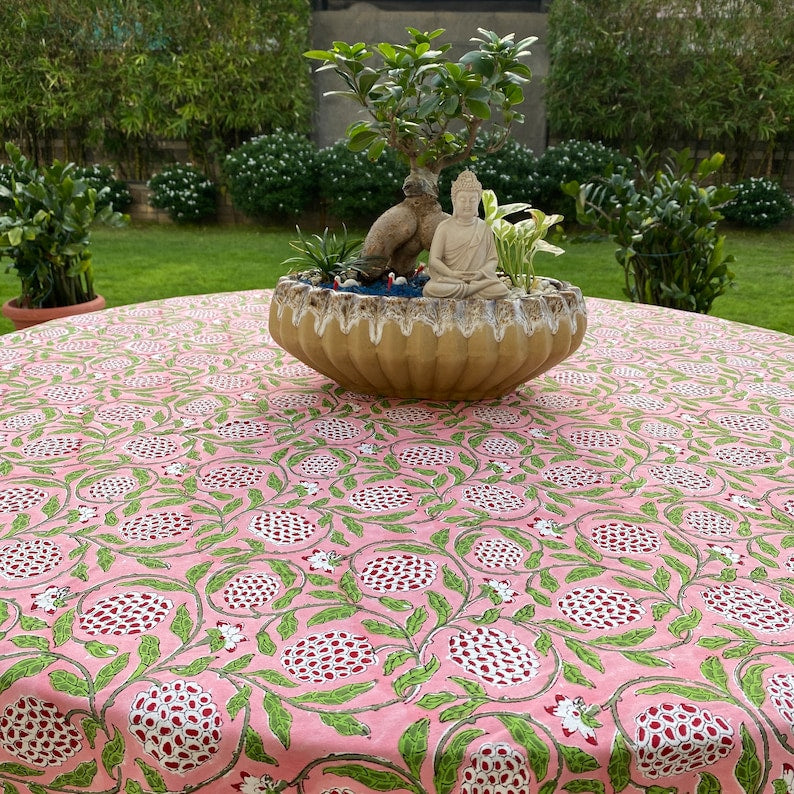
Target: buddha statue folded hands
[{"x": 462, "y": 261}]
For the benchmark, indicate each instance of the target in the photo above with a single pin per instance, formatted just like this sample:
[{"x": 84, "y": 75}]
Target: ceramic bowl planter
[{"x": 430, "y": 348}]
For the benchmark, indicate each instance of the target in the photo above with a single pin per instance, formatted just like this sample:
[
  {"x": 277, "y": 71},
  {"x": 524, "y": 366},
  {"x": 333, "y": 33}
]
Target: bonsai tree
[
  {"x": 45, "y": 231},
  {"x": 428, "y": 109}
]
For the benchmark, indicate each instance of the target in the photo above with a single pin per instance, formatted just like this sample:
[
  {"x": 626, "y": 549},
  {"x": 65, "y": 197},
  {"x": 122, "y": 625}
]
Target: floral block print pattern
[{"x": 221, "y": 572}]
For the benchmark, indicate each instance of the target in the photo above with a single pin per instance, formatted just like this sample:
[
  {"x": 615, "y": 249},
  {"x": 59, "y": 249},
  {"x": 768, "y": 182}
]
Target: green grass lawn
[{"x": 144, "y": 262}]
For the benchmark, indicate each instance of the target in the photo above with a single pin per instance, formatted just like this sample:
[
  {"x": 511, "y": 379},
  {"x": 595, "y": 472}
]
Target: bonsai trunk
[{"x": 401, "y": 233}]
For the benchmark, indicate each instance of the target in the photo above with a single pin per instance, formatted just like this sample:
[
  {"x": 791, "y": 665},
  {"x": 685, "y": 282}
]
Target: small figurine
[{"x": 462, "y": 261}]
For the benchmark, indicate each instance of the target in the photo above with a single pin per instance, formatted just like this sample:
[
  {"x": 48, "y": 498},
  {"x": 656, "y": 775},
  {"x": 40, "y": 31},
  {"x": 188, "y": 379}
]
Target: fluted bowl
[{"x": 430, "y": 348}]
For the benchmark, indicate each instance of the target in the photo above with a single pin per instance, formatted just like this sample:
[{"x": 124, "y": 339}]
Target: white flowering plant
[
  {"x": 759, "y": 202},
  {"x": 184, "y": 192},
  {"x": 273, "y": 174},
  {"x": 518, "y": 242}
]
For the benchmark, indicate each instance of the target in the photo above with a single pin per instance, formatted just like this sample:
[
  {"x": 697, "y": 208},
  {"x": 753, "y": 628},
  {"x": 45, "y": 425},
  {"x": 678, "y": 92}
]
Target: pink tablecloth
[{"x": 219, "y": 571}]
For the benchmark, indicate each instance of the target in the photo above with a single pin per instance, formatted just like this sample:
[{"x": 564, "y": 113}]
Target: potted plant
[
  {"x": 431, "y": 111},
  {"x": 45, "y": 232}
]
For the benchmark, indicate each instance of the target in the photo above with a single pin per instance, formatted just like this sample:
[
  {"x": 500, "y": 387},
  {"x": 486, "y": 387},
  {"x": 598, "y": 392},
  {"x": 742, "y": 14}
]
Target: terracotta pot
[
  {"x": 431, "y": 348},
  {"x": 24, "y": 318}
]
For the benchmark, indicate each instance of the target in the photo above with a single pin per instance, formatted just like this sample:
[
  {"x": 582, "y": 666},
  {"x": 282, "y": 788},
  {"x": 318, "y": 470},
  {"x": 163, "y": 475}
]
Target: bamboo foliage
[
  {"x": 119, "y": 75},
  {"x": 717, "y": 74}
]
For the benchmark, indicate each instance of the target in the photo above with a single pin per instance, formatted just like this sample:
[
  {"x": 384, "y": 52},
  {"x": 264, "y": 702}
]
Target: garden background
[{"x": 144, "y": 84}]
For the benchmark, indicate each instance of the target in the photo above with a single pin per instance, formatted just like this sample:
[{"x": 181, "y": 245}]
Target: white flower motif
[
  {"x": 502, "y": 589},
  {"x": 726, "y": 551},
  {"x": 78, "y": 410},
  {"x": 50, "y": 599},
  {"x": 367, "y": 449},
  {"x": 85, "y": 513},
  {"x": 575, "y": 717},
  {"x": 788, "y": 778},
  {"x": 672, "y": 448},
  {"x": 175, "y": 469},
  {"x": 232, "y": 634},
  {"x": 500, "y": 465},
  {"x": 256, "y": 785},
  {"x": 187, "y": 422},
  {"x": 323, "y": 560},
  {"x": 743, "y": 501},
  {"x": 311, "y": 488},
  {"x": 354, "y": 407},
  {"x": 537, "y": 432},
  {"x": 249, "y": 396},
  {"x": 545, "y": 527}
]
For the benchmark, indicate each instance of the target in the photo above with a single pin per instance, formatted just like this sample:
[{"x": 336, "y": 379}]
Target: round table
[{"x": 220, "y": 571}]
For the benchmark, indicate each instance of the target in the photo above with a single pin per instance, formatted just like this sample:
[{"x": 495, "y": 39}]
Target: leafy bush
[
  {"x": 272, "y": 174},
  {"x": 101, "y": 176},
  {"x": 759, "y": 202},
  {"x": 569, "y": 161},
  {"x": 509, "y": 172},
  {"x": 184, "y": 192},
  {"x": 665, "y": 222},
  {"x": 355, "y": 189}
]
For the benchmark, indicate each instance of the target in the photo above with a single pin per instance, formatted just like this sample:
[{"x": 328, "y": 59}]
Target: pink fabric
[{"x": 220, "y": 571}]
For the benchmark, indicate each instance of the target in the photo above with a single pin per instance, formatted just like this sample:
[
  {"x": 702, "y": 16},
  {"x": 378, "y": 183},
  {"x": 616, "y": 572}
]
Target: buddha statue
[{"x": 462, "y": 261}]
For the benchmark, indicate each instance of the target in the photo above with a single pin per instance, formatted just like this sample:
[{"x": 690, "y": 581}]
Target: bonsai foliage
[
  {"x": 665, "y": 222},
  {"x": 329, "y": 254},
  {"x": 426, "y": 107},
  {"x": 517, "y": 243},
  {"x": 45, "y": 231}
]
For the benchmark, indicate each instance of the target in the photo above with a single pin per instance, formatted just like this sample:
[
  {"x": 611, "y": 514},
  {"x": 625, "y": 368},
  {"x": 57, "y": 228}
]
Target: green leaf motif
[
  {"x": 238, "y": 701},
  {"x": 152, "y": 777},
  {"x": 413, "y": 745},
  {"x": 648, "y": 659},
  {"x": 691, "y": 692},
  {"x": 113, "y": 752},
  {"x": 264, "y": 643},
  {"x": 80, "y": 777},
  {"x": 619, "y": 767},
  {"x": 197, "y": 572},
  {"x": 288, "y": 625},
  {"x": 577, "y": 760},
  {"x": 373, "y": 779},
  {"x": 335, "y": 697},
  {"x": 524, "y": 734},
  {"x": 445, "y": 774},
  {"x": 20, "y": 770},
  {"x": 583, "y": 572},
  {"x": 708, "y": 784},
  {"x": 63, "y": 681},
  {"x": 25, "y": 669},
  {"x": 419, "y": 675},
  {"x": 255, "y": 748},
  {"x": 347, "y": 584},
  {"x": 195, "y": 667},
  {"x": 182, "y": 624},
  {"x": 279, "y": 719},
  {"x": 378, "y": 627},
  {"x": 395, "y": 660},
  {"x": 415, "y": 621},
  {"x": 584, "y": 653},
  {"x": 452, "y": 581},
  {"x": 62, "y": 628},
  {"x": 433, "y": 700},
  {"x": 345, "y": 724},
  {"x": 713, "y": 671},
  {"x": 31, "y": 641},
  {"x": 331, "y": 614},
  {"x": 685, "y": 623},
  {"x": 748, "y": 767},
  {"x": 627, "y": 639},
  {"x": 752, "y": 684},
  {"x": 440, "y": 606},
  {"x": 573, "y": 675},
  {"x": 594, "y": 786}
]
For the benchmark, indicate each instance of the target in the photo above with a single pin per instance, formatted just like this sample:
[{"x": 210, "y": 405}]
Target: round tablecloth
[{"x": 220, "y": 571}]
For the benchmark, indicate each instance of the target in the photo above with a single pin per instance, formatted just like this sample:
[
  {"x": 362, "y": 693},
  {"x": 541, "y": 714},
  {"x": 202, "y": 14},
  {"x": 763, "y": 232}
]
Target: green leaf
[
  {"x": 685, "y": 623},
  {"x": 373, "y": 779},
  {"x": 80, "y": 777},
  {"x": 62, "y": 628},
  {"x": 331, "y": 614},
  {"x": 752, "y": 684},
  {"x": 335, "y": 697},
  {"x": 619, "y": 767},
  {"x": 708, "y": 784},
  {"x": 595, "y": 786},
  {"x": 445, "y": 773},
  {"x": 238, "y": 701},
  {"x": 523, "y": 733},
  {"x": 415, "y": 621},
  {"x": 63, "y": 681},
  {"x": 182, "y": 625},
  {"x": 255, "y": 748},
  {"x": 748, "y": 767},
  {"x": 153, "y": 778},
  {"x": 288, "y": 625},
  {"x": 413, "y": 745},
  {"x": 345, "y": 724},
  {"x": 573, "y": 675},
  {"x": 279, "y": 719},
  {"x": 113, "y": 752},
  {"x": 419, "y": 675},
  {"x": 691, "y": 692},
  {"x": 588, "y": 656},
  {"x": 25, "y": 669}
]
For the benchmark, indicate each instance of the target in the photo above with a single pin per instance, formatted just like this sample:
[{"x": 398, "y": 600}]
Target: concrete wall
[{"x": 365, "y": 22}]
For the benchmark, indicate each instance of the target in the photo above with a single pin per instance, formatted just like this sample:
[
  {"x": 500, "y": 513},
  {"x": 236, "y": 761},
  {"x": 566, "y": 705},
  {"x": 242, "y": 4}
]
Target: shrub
[
  {"x": 570, "y": 161},
  {"x": 101, "y": 176},
  {"x": 509, "y": 172},
  {"x": 665, "y": 222},
  {"x": 355, "y": 189},
  {"x": 184, "y": 192},
  {"x": 272, "y": 174},
  {"x": 759, "y": 202}
]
